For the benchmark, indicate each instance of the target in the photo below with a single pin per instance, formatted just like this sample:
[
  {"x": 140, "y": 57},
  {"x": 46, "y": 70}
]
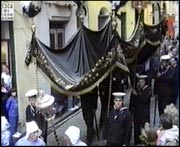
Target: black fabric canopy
[
  {"x": 82, "y": 64},
  {"x": 90, "y": 56}
]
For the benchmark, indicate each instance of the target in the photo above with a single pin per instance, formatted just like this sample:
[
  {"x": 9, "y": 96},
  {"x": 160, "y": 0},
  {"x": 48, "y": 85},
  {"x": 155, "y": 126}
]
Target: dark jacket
[
  {"x": 119, "y": 127},
  {"x": 140, "y": 103},
  {"x": 163, "y": 84},
  {"x": 175, "y": 84}
]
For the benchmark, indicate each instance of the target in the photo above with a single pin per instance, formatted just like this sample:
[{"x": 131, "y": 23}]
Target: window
[
  {"x": 56, "y": 38},
  {"x": 57, "y": 35}
]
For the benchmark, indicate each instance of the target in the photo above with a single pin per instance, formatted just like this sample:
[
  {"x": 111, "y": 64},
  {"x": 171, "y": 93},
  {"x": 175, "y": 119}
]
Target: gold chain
[
  {"x": 36, "y": 74},
  {"x": 109, "y": 96}
]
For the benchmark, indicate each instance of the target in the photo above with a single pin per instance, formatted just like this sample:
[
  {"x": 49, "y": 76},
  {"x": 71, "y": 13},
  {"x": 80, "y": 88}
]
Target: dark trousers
[
  {"x": 175, "y": 94},
  {"x": 88, "y": 116},
  {"x": 104, "y": 107},
  {"x": 162, "y": 102},
  {"x": 89, "y": 105}
]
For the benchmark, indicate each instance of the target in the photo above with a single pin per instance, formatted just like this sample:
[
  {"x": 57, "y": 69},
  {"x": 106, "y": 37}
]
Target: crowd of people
[{"x": 158, "y": 77}]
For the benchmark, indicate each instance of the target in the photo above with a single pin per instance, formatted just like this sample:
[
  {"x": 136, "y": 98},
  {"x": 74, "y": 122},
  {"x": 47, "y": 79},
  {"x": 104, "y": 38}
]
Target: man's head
[
  {"x": 174, "y": 52},
  {"x": 31, "y": 94},
  {"x": 141, "y": 80},
  {"x": 173, "y": 61},
  {"x": 165, "y": 60},
  {"x": 118, "y": 99}
]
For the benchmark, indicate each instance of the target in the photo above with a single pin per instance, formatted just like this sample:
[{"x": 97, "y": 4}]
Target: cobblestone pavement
[{"x": 78, "y": 121}]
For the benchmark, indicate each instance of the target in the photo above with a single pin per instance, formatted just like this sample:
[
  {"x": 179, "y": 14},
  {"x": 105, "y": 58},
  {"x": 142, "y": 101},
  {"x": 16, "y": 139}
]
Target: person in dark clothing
[
  {"x": 117, "y": 85},
  {"x": 89, "y": 106},
  {"x": 33, "y": 113},
  {"x": 175, "y": 80},
  {"x": 140, "y": 106},
  {"x": 119, "y": 125},
  {"x": 163, "y": 84}
]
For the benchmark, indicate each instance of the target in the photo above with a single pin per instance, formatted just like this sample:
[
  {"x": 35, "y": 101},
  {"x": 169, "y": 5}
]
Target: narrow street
[{"x": 53, "y": 52}]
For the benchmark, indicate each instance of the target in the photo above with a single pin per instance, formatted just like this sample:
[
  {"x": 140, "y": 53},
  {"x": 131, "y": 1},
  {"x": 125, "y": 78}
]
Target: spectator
[
  {"x": 173, "y": 112},
  {"x": 73, "y": 134},
  {"x": 5, "y": 132},
  {"x": 12, "y": 109},
  {"x": 148, "y": 135},
  {"x": 32, "y": 137},
  {"x": 167, "y": 131}
]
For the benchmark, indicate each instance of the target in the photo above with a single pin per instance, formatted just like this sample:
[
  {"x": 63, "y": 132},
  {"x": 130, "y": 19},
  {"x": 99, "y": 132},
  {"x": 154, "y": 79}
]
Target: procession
[{"x": 90, "y": 73}]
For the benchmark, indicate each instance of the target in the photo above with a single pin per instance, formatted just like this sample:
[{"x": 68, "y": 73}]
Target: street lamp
[{"x": 45, "y": 103}]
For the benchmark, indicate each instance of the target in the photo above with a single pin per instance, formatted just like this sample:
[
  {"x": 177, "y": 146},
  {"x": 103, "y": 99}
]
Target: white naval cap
[
  {"x": 31, "y": 93},
  {"x": 165, "y": 57},
  {"x": 118, "y": 95},
  {"x": 142, "y": 76}
]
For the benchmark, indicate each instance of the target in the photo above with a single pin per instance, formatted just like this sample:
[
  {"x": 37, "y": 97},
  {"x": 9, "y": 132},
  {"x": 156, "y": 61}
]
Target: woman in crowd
[
  {"x": 32, "y": 137},
  {"x": 73, "y": 134},
  {"x": 167, "y": 131},
  {"x": 148, "y": 135}
]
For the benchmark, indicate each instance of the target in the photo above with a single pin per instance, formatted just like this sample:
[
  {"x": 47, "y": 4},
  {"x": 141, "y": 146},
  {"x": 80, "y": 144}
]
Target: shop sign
[{"x": 7, "y": 11}]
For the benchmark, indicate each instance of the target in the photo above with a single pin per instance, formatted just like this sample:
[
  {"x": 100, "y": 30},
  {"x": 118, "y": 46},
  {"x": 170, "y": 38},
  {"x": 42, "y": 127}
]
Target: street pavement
[{"x": 77, "y": 120}]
